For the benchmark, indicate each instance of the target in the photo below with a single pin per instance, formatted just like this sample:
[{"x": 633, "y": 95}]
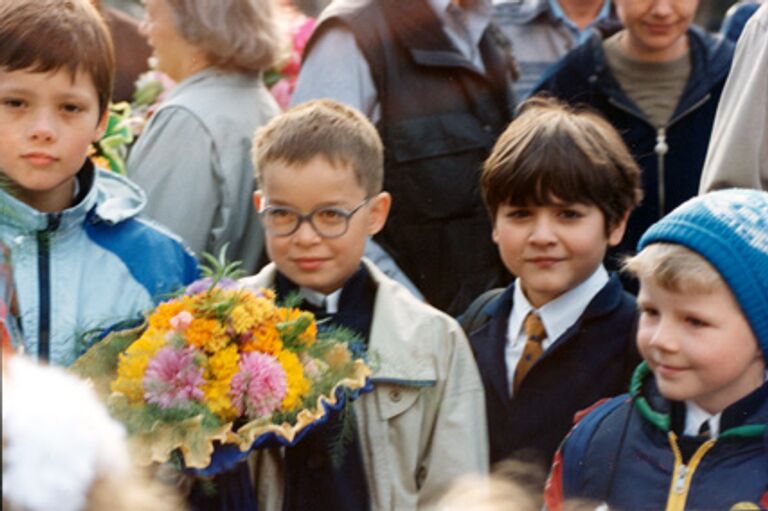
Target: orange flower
[
  {"x": 266, "y": 339},
  {"x": 207, "y": 334},
  {"x": 161, "y": 318}
]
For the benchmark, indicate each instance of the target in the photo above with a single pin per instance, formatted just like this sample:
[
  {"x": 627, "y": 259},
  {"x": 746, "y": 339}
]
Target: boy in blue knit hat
[{"x": 691, "y": 433}]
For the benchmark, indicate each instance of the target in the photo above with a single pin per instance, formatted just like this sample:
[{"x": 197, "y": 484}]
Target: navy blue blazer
[{"x": 593, "y": 359}]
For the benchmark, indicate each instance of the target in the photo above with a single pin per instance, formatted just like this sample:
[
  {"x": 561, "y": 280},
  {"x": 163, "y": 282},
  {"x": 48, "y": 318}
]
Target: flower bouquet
[{"x": 217, "y": 371}]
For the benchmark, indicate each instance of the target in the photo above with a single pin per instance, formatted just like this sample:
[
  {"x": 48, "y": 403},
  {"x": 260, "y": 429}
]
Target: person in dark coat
[{"x": 434, "y": 77}]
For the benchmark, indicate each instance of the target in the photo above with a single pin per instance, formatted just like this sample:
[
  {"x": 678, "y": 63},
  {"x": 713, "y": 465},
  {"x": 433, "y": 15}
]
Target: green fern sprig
[{"x": 217, "y": 268}]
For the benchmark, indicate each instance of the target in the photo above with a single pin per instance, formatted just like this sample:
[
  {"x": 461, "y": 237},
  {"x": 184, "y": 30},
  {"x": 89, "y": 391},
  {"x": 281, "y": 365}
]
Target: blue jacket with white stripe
[{"x": 90, "y": 266}]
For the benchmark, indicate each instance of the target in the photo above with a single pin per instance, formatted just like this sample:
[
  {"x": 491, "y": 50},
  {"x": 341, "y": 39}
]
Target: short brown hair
[
  {"x": 326, "y": 128},
  {"x": 235, "y": 35},
  {"x": 48, "y": 35},
  {"x": 553, "y": 152},
  {"x": 675, "y": 268}
]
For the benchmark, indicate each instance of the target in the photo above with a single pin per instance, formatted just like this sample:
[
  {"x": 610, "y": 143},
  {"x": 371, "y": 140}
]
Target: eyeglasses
[{"x": 328, "y": 222}]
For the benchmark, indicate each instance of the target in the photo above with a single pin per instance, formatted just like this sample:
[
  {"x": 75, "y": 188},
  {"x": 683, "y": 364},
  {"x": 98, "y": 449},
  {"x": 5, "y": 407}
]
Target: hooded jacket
[
  {"x": 89, "y": 266},
  {"x": 671, "y": 157},
  {"x": 629, "y": 454}
]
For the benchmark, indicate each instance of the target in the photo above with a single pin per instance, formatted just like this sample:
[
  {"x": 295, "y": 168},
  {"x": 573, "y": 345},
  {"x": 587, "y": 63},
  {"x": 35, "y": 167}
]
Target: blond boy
[{"x": 691, "y": 433}]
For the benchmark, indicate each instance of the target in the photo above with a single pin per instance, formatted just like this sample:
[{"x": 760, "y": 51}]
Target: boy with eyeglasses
[{"x": 320, "y": 169}]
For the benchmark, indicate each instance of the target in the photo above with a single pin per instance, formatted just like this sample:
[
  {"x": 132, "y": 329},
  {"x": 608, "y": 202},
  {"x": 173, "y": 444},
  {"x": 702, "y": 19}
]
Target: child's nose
[
  {"x": 43, "y": 127},
  {"x": 306, "y": 233},
  {"x": 661, "y": 7},
  {"x": 663, "y": 337},
  {"x": 542, "y": 231}
]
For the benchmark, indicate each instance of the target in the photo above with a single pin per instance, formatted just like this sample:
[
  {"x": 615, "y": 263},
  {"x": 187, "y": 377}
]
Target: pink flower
[
  {"x": 173, "y": 378},
  {"x": 259, "y": 386},
  {"x": 302, "y": 34},
  {"x": 181, "y": 321},
  {"x": 282, "y": 91}
]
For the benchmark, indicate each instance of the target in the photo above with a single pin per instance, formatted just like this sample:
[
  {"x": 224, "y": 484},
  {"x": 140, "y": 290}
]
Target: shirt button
[{"x": 395, "y": 395}]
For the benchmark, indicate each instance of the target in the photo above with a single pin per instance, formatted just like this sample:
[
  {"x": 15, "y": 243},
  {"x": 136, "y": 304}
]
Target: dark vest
[
  {"x": 325, "y": 470},
  {"x": 440, "y": 119}
]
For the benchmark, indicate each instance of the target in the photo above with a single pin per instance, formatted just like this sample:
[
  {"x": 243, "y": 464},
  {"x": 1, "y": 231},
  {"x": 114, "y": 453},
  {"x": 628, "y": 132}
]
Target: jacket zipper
[
  {"x": 661, "y": 148},
  {"x": 44, "y": 281},
  {"x": 682, "y": 474}
]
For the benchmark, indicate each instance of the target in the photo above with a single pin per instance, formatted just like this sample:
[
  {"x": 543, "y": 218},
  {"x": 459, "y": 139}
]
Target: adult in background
[
  {"x": 193, "y": 159},
  {"x": 658, "y": 82},
  {"x": 738, "y": 153},
  {"x": 543, "y": 31},
  {"x": 433, "y": 77}
]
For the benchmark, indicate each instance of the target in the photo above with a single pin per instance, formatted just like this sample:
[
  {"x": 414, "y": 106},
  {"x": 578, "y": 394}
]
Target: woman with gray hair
[{"x": 193, "y": 159}]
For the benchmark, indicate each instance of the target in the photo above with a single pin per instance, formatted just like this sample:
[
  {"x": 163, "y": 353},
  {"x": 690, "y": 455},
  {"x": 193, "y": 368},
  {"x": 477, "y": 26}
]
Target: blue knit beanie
[{"x": 728, "y": 228}]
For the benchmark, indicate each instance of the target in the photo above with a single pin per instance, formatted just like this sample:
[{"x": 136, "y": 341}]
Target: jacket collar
[
  {"x": 747, "y": 417},
  {"x": 710, "y": 62},
  {"x": 104, "y": 196},
  {"x": 494, "y": 332}
]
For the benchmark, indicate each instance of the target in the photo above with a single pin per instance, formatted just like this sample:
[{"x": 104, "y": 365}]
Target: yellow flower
[
  {"x": 222, "y": 366},
  {"x": 133, "y": 363},
  {"x": 338, "y": 356},
  {"x": 298, "y": 384},
  {"x": 241, "y": 320},
  {"x": 309, "y": 335},
  {"x": 207, "y": 334}
]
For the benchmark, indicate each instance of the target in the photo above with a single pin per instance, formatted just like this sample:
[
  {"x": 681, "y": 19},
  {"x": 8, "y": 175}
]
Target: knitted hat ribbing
[{"x": 729, "y": 228}]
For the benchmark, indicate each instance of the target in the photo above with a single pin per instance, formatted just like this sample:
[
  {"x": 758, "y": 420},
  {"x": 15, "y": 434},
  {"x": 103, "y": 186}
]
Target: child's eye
[
  {"x": 695, "y": 322},
  {"x": 72, "y": 108},
  {"x": 517, "y": 213},
  {"x": 329, "y": 215},
  {"x": 570, "y": 214},
  {"x": 648, "y": 311},
  {"x": 14, "y": 102}
]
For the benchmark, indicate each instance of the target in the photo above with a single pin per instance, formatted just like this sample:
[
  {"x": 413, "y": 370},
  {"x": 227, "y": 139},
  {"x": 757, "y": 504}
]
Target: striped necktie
[{"x": 535, "y": 333}]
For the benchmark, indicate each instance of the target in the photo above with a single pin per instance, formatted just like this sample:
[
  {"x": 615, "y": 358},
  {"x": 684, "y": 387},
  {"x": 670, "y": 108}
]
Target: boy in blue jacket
[
  {"x": 692, "y": 432},
  {"x": 82, "y": 260},
  {"x": 559, "y": 186}
]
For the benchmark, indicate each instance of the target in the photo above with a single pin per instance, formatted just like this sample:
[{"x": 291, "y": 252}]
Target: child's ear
[
  {"x": 380, "y": 205},
  {"x": 257, "y": 198},
  {"x": 616, "y": 231},
  {"x": 101, "y": 126}
]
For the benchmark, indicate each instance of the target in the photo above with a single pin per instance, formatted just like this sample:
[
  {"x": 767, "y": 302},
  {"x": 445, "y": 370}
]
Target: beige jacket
[
  {"x": 424, "y": 423},
  {"x": 738, "y": 150}
]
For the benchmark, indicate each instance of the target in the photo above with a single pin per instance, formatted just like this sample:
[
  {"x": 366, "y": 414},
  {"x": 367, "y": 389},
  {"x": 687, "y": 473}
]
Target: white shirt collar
[
  {"x": 562, "y": 312},
  {"x": 696, "y": 415},
  {"x": 477, "y": 17},
  {"x": 331, "y": 301}
]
